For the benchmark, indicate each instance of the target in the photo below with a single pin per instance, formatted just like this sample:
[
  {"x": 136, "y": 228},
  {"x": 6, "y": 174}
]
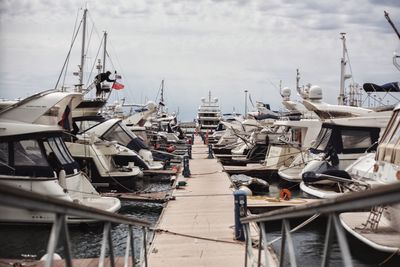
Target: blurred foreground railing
[
  {"x": 384, "y": 195},
  {"x": 17, "y": 198}
]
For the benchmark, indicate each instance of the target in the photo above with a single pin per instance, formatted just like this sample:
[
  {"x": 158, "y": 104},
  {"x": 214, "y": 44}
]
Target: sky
[{"x": 197, "y": 46}]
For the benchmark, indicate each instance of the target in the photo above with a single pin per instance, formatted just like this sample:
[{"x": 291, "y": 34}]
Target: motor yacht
[
  {"x": 33, "y": 156},
  {"x": 380, "y": 227}
]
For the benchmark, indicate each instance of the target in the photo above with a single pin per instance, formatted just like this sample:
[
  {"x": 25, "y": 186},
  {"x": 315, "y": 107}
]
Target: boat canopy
[
  {"x": 387, "y": 87},
  {"x": 35, "y": 156},
  {"x": 344, "y": 139}
]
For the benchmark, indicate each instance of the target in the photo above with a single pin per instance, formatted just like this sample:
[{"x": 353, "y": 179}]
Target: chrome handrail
[
  {"x": 23, "y": 199},
  {"x": 383, "y": 195}
]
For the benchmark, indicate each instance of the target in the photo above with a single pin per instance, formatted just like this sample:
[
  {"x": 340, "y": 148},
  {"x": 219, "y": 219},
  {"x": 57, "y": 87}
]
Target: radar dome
[
  {"x": 151, "y": 105},
  {"x": 215, "y": 99},
  {"x": 286, "y": 92},
  {"x": 315, "y": 93}
]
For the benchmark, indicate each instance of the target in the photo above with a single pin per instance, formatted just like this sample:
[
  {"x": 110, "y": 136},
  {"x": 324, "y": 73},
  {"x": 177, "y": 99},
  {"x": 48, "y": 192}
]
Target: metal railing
[
  {"x": 384, "y": 195},
  {"x": 17, "y": 198}
]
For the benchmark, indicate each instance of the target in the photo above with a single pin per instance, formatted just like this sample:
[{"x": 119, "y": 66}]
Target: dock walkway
[{"x": 204, "y": 209}]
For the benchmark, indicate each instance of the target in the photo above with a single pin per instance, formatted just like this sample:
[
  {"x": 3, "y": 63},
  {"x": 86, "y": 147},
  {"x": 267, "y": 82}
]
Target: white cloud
[{"x": 223, "y": 46}]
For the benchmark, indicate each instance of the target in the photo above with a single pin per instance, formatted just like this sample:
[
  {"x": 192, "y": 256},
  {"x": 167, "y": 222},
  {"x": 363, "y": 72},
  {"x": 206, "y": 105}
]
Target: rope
[
  {"x": 390, "y": 256},
  {"x": 312, "y": 218},
  {"x": 196, "y": 237},
  {"x": 206, "y": 173}
]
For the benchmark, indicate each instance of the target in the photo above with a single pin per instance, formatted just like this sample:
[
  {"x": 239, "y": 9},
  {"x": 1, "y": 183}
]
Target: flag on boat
[
  {"x": 118, "y": 86},
  {"x": 66, "y": 118}
]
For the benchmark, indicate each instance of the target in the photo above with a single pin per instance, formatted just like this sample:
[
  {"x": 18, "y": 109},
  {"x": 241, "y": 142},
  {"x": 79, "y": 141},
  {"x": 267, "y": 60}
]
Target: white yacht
[
  {"x": 340, "y": 142},
  {"x": 380, "y": 228},
  {"x": 208, "y": 114},
  {"x": 115, "y": 130},
  {"x": 34, "y": 157}
]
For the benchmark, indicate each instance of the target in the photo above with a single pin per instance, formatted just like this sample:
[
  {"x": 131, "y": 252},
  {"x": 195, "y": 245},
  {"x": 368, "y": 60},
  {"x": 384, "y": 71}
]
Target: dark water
[
  {"x": 309, "y": 240},
  {"x": 30, "y": 241}
]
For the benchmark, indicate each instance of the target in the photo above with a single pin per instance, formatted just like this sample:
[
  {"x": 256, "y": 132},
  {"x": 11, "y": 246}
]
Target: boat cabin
[
  {"x": 34, "y": 153},
  {"x": 344, "y": 139}
]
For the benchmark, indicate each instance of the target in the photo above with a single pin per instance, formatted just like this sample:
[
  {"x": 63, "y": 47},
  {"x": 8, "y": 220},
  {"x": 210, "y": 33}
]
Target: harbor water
[{"x": 27, "y": 241}]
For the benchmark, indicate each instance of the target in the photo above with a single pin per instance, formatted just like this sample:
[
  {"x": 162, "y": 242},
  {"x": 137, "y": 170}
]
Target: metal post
[
  {"x": 128, "y": 247},
  {"x": 190, "y": 151},
  {"x": 240, "y": 199},
  {"x": 259, "y": 248},
  {"x": 53, "y": 240},
  {"x": 341, "y": 238},
  {"x": 110, "y": 248},
  {"x": 132, "y": 246},
  {"x": 292, "y": 255},
  {"x": 265, "y": 246},
  {"x": 145, "y": 245},
  {"x": 282, "y": 256},
  {"x": 106, "y": 229},
  {"x": 210, "y": 154},
  {"x": 328, "y": 243},
  {"x": 186, "y": 170},
  {"x": 67, "y": 247}
]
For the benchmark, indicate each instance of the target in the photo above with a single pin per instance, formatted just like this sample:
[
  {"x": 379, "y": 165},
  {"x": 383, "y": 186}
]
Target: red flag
[{"x": 118, "y": 86}]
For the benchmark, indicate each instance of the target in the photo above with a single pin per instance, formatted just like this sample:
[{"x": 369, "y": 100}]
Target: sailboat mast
[
  {"x": 105, "y": 52},
  {"x": 83, "y": 49},
  {"x": 162, "y": 91},
  {"x": 342, "y": 70}
]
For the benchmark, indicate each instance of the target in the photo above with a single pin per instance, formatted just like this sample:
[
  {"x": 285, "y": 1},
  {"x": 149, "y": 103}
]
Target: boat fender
[
  {"x": 285, "y": 194},
  {"x": 61, "y": 179}
]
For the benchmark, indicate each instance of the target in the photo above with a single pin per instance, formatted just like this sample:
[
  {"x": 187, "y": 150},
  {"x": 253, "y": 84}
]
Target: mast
[
  {"x": 83, "y": 50},
  {"x": 209, "y": 97},
  {"x": 298, "y": 81},
  {"x": 245, "y": 104},
  {"x": 342, "y": 70},
  {"x": 105, "y": 51}
]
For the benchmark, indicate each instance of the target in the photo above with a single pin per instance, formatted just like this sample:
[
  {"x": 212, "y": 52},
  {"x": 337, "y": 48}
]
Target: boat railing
[
  {"x": 22, "y": 199},
  {"x": 381, "y": 196}
]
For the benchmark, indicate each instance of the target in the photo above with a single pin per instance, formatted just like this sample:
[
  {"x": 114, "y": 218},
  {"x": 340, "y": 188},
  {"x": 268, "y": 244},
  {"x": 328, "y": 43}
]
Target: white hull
[
  {"x": 79, "y": 190},
  {"x": 385, "y": 239}
]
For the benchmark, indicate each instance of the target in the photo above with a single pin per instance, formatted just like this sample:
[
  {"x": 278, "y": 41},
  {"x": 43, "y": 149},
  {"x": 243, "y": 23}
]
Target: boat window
[
  {"x": 118, "y": 134},
  {"x": 323, "y": 139},
  {"x": 396, "y": 135},
  {"x": 28, "y": 153},
  {"x": 65, "y": 150},
  {"x": 355, "y": 139},
  {"x": 51, "y": 146},
  {"x": 4, "y": 153},
  {"x": 391, "y": 128},
  {"x": 85, "y": 125}
]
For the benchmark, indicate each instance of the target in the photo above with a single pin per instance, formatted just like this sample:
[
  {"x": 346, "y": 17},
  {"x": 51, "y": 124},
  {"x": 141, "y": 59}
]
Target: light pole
[{"x": 245, "y": 103}]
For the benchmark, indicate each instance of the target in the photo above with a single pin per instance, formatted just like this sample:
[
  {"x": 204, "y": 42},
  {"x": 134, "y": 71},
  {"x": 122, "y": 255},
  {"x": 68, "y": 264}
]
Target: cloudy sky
[{"x": 226, "y": 46}]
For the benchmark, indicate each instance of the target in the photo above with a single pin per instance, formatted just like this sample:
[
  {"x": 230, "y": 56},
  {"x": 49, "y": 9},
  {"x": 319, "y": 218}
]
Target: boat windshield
[
  {"x": 58, "y": 155},
  {"x": 120, "y": 134},
  {"x": 24, "y": 158},
  {"x": 322, "y": 139}
]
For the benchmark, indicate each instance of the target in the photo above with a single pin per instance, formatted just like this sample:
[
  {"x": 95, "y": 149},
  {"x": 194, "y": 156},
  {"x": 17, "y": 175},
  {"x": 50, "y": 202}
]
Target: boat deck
[
  {"x": 385, "y": 239},
  {"x": 197, "y": 227}
]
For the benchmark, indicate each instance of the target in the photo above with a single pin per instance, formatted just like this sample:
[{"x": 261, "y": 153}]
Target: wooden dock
[{"x": 197, "y": 228}]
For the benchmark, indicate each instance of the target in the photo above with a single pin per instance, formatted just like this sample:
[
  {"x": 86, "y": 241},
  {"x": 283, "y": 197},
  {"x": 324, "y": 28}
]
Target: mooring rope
[{"x": 197, "y": 237}]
